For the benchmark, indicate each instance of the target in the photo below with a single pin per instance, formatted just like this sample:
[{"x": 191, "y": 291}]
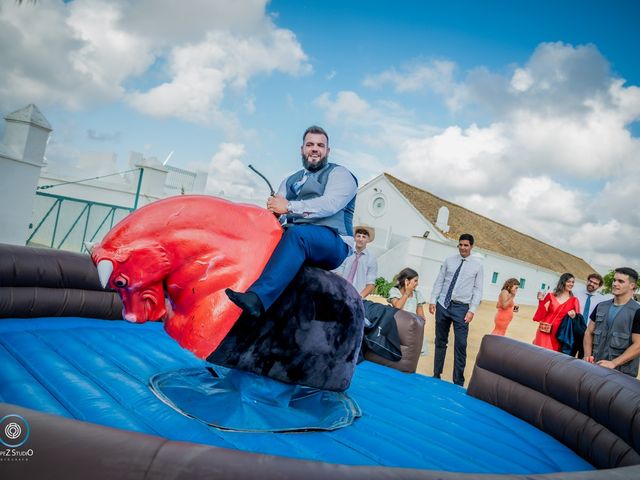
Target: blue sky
[{"x": 527, "y": 112}]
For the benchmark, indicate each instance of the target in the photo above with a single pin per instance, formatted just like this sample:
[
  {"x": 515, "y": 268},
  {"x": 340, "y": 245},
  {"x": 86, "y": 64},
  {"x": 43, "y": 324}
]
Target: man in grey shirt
[
  {"x": 612, "y": 339},
  {"x": 455, "y": 297}
]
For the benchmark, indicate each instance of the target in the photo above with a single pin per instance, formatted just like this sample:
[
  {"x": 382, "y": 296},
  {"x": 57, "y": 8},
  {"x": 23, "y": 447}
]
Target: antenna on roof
[{"x": 167, "y": 159}]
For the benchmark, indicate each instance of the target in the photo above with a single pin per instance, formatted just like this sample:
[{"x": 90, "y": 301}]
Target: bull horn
[
  {"x": 89, "y": 246},
  {"x": 105, "y": 268}
]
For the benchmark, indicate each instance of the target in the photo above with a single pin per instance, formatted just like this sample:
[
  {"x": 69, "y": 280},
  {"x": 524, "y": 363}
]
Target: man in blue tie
[
  {"x": 589, "y": 299},
  {"x": 455, "y": 296},
  {"x": 316, "y": 205}
]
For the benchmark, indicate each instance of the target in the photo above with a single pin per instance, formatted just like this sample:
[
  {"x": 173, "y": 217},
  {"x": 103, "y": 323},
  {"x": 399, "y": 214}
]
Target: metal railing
[{"x": 67, "y": 223}]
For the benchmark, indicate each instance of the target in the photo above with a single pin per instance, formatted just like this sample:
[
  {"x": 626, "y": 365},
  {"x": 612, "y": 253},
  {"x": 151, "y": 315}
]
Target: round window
[{"x": 378, "y": 205}]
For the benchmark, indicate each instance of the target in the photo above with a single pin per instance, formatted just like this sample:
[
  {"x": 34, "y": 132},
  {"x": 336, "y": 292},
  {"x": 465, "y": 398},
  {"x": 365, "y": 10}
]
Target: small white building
[
  {"x": 417, "y": 229},
  {"x": 21, "y": 159},
  {"x": 65, "y": 209}
]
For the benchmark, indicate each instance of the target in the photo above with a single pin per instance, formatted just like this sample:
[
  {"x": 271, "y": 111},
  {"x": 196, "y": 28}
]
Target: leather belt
[{"x": 459, "y": 303}]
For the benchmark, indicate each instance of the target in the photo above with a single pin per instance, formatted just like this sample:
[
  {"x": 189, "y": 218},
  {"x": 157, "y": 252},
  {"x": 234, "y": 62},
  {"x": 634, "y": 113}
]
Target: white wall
[
  {"x": 400, "y": 243},
  {"x": 17, "y": 190},
  {"x": 21, "y": 159},
  {"x": 398, "y": 221},
  {"x": 426, "y": 256}
]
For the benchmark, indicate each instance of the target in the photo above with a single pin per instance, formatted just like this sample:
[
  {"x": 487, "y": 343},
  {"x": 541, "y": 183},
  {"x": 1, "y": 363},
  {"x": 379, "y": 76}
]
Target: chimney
[{"x": 442, "y": 222}]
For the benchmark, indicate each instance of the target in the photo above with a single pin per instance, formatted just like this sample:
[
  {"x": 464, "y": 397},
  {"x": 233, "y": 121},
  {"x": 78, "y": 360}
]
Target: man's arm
[
  {"x": 629, "y": 354},
  {"x": 587, "y": 342},
  {"x": 278, "y": 203},
  {"x": 437, "y": 288},
  {"x": 367, "y": 290},
  {"x": 370, "y": 277},
  {"x": 340, "y": 189},
  {"x": 476, "y": 294}
]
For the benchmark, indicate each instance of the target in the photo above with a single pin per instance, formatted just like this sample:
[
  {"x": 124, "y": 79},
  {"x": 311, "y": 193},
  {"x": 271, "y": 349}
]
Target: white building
[
  {"x": 417, "y": 229},
  {"x": 21, "y": 159},
  {"x": 63, "y": 209}
]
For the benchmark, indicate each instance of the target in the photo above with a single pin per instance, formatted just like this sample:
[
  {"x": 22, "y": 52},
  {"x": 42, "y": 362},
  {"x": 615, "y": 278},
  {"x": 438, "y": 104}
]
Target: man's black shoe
[{"x": 248, "y": 302}]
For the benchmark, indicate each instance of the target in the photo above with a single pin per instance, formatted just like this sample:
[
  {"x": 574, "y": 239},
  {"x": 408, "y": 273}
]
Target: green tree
[
  {"x": 382, "y": 287},
  {"x": 607, "y": 283}
]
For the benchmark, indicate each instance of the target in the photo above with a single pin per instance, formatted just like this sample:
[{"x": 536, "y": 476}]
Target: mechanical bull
[{"x": 171, "y": 260}]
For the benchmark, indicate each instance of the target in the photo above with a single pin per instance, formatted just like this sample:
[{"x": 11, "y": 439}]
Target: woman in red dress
[
  {"x": 552, "y": 308},
  {"x": 504, "y": 315}
]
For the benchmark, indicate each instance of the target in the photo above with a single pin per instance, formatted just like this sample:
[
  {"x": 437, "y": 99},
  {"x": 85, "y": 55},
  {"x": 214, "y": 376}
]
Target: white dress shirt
[
  {"x": 366, "y": 270},
  {"x": 468, "y": 287},
  {"x": 596, "y": 298}
]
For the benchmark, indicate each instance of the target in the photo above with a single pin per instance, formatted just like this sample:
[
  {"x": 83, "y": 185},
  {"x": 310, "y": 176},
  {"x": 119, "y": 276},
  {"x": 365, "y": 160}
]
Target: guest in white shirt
[
  {"x": 590, "y": 297},
  {"x": 361, "y": 267},
  {"x": 455, "y": 296}
]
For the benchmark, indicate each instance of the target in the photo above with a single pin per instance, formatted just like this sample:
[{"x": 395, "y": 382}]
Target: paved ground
[{"x": 522, "y": 328}]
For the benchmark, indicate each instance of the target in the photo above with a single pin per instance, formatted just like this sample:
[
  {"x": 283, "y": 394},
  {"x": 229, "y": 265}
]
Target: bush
[
  {"x": 608, "y": 282},
  {"x": 383, "y": 287}
]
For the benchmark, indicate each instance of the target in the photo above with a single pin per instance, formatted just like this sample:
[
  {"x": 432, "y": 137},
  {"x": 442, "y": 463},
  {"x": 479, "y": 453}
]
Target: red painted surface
[{"x": 189, "y": 249}]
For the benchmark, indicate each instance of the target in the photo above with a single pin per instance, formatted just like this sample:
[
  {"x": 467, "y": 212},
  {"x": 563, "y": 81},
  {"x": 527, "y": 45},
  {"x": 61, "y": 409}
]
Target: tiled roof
[{"x": 491, "y": 235}]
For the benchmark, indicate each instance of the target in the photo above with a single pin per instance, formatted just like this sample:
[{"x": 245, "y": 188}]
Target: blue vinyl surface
[{"x": 98, "y": 371}]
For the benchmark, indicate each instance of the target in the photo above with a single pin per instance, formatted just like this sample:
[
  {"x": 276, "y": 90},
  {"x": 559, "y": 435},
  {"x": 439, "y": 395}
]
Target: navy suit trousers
[
  {"x": 307, "y": 244},
  {"x": 444, "y": 318}
]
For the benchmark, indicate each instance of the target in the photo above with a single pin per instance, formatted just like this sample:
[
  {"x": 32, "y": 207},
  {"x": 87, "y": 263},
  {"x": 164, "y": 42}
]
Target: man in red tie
[{"x": 361, "y": 267}]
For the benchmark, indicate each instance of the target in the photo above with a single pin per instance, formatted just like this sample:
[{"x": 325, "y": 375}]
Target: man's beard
[{"x": 314, "y": 168}]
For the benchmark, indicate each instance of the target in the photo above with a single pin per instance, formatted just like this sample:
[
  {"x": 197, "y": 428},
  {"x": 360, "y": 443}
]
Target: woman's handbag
[{"x": 544, "y": 327}]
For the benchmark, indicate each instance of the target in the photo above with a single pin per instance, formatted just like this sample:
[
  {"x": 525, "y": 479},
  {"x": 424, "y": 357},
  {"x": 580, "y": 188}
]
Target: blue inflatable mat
[{"x": 98, "y": 371}]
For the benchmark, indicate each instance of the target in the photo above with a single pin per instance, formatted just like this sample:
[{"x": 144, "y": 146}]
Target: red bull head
[{"x": 172, "y": 260}]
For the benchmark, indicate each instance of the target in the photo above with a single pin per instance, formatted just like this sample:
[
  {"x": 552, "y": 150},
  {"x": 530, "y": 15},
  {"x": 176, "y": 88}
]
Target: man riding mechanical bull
[{"x": 233, "y": 286}]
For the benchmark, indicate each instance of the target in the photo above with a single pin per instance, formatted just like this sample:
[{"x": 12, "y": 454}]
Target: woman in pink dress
[
  {"x": 552, "y": 308},
  {"x": 506, "y": 300}
]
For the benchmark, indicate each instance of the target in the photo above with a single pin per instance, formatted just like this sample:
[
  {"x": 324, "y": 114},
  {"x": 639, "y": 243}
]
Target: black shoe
[{"x": 248, "y": 302}]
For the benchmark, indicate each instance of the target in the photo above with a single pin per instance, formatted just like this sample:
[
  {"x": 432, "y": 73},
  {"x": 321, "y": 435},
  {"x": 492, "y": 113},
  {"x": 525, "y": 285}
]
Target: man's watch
[{"x": 289, "y": 208}]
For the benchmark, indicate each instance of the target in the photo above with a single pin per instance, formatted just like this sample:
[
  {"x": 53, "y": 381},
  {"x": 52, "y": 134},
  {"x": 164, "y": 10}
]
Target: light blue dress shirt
[
  {"x": 468, "y": 287},
  {"x": 340, "y": 189}
]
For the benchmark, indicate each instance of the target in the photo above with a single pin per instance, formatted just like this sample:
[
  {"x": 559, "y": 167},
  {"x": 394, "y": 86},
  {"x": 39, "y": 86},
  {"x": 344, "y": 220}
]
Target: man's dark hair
[
  {"x": 466, "y": 236},
  {"x": 362, "y": 231},
  {"x": 629, "y": 272},
  {"x": 597, "y": 276},
  {"x": 315, "y": 129}
]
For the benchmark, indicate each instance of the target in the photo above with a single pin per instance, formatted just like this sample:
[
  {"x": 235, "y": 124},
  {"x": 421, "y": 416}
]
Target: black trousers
[{"x": 444, "y": 318}]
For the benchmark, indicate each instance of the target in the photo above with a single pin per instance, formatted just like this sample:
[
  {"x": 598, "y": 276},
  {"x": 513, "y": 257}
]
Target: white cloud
[
  {"x": 347, "y": 105},
  {"x": 521, "y": 80},
  {"x": 383, "y": 124},
  {"x": 200, "y": 73},
  {"x": 436, "y": 76},
  {"x": 90, "y": 52},
  {"x": 554, "y": 158},
  {"x": 455, "y": 160},
  {"x": 229, "y": 176}
]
